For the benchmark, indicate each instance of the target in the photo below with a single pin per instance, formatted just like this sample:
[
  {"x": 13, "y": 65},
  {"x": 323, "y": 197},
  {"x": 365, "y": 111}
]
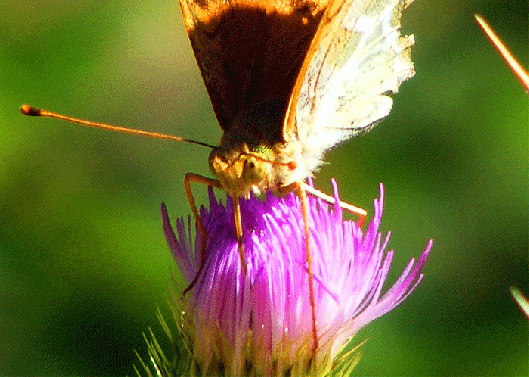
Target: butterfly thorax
[{"x": 255, "y": 154}]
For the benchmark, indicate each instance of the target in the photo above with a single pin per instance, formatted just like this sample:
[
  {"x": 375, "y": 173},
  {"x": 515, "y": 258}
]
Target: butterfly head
[{"x": 241, "y": 169}]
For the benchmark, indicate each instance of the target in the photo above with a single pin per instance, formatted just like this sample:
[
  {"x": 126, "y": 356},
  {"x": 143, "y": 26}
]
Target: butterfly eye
[{"x": 254, "y": 171}]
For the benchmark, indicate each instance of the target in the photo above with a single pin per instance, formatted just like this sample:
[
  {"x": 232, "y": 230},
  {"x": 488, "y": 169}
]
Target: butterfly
[{"x": 288, "y": 80}]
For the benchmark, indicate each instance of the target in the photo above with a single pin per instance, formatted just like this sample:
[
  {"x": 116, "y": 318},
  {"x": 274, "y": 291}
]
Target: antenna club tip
[{"x": 29, "y": 110}]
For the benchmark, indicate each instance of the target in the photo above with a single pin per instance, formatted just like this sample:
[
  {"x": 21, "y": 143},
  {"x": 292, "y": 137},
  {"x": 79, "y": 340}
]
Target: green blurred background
[{"x": 84, "y": 264}]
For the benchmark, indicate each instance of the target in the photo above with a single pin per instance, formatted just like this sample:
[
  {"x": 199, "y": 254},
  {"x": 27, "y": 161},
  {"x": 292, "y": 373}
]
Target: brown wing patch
[{"x": 250, "y": 52}]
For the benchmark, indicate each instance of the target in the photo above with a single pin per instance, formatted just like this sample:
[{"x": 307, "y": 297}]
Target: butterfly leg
[
  {"x": 191, "y": 177},
  {"x": 304, "y": 208},
  {"x": 302, "y": 192},
  {"x": 238, "y": 231},
  {"x": 360, "y": 213},
  {"x": 302, "y": 189}
]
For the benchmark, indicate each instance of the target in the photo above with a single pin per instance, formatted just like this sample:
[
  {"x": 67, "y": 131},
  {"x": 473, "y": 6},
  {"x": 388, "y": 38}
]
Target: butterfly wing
[
  {"x": 356, "y": 60},
  {"x": 249, "y": 53}
]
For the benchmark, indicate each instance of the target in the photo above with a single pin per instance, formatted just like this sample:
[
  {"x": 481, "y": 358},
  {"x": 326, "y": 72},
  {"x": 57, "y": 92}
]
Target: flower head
[{"x": 260, "y": 323}]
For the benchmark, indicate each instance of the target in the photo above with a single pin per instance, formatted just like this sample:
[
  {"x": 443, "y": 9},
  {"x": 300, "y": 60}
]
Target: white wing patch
[{"x": 347, "y": 85}]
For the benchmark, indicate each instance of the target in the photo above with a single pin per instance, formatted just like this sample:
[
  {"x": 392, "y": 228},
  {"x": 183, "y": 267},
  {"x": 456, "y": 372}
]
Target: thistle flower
[{"x": 259, "y": 323}]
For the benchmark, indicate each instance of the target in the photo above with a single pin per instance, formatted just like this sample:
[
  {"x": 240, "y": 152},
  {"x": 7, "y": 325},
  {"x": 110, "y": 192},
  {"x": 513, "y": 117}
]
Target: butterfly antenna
[
  {"x": 509, "y": 58},
  {"x": 32, "y": 111}
]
